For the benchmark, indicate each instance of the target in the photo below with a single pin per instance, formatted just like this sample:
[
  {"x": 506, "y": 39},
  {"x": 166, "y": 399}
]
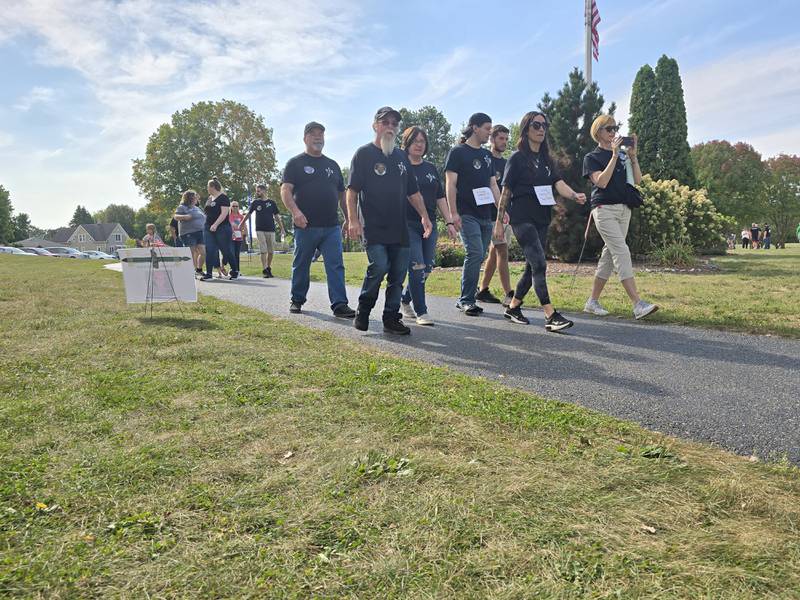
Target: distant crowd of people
[
  {"x": 392, "y": 200},
  {"x": 756, "y": 237}
]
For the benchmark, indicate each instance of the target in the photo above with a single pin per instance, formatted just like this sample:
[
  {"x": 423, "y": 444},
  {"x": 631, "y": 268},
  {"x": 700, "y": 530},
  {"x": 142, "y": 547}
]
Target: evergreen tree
[
  {"x": 6, "y": 217},
  {"x": 81, "y": 216},
  {"x": 644, "y": 118},
  {"x": 570, "y": 115},
  {"x": 674, "y": 161}
]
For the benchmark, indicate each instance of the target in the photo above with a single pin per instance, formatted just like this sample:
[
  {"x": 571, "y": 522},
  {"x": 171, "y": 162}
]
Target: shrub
[
  {"x": 659, "y": 221},
  {"x": 705, "y": 226},
  {"x": 565, "y": 236},
  {"x": 678, "y": 254},
  {"x": 449, "y": 253}
]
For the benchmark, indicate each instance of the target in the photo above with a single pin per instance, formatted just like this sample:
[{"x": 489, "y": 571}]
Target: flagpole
[{"x": 587, "y": 13}]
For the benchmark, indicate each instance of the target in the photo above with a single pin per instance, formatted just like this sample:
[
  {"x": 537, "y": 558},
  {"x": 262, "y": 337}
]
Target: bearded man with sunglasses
[{"x": 611, "y": 170}]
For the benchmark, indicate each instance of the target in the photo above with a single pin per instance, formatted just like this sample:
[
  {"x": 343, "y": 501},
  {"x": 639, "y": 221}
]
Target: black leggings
[{"x": 532, "y": 237}]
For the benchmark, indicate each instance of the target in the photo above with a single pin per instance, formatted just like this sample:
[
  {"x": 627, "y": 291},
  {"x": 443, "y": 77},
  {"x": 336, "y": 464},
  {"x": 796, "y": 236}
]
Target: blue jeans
[
  {"x": 327, "y": 240},
  {"x": 476, "y": 235},
  {"x": 422, "y": 256},
  {"x": 218, "y": 241},
  {"x": 385, "y": 260}
]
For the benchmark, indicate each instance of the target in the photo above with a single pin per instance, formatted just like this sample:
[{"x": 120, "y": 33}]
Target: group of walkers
[
  {"x": 757, "y": 237},
  {"x": 393, "y": 198}
]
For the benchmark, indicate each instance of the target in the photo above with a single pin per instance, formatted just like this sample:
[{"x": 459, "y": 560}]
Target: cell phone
[{"x": 627, "y": 141}]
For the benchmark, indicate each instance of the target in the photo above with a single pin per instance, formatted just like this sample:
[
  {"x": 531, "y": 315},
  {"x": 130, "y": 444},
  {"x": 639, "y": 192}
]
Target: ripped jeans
[{"x": 422, "y": 256}]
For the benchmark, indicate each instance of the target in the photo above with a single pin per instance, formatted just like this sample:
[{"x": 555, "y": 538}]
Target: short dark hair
[
  {"x": 410, "y": 135},
  {"x": 499, "y": 129},
  {"x": 261, "y": 186}
]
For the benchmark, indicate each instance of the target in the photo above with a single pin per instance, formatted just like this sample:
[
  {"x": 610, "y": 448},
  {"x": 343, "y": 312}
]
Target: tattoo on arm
[{"x": 501, "y": 206}]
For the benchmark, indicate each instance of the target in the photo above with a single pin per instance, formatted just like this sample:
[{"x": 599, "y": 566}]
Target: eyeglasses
[
  {"x": 389, "y": 122},
  {"x": 611, "y": 128},
  {"x": 537, "y": 125}
]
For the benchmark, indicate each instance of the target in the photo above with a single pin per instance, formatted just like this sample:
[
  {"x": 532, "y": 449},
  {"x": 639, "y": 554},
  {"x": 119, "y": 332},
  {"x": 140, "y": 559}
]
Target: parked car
[
  {"x": 38, "y": 251},
  {"x": 10, "y": 250},
  {"x": 64, "y": 252},
  {"x": 97, "y": 255}
]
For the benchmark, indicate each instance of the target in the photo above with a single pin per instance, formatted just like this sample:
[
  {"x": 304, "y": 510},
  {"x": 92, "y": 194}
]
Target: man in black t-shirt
[
  {"x": 267, "y": 215},
  {"x": 381, "y": 185},
  {"x": 312, "y": 190},
  {"x": 472, "y": 194},
  {"x": 498, "y": 250}
]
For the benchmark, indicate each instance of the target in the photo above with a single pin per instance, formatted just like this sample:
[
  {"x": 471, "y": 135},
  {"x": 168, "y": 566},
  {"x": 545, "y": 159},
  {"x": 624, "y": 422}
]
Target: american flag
[{"x": 595, "y": 34}]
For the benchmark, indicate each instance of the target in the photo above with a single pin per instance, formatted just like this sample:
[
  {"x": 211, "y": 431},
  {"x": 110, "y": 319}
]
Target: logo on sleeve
[
  {"x": 309, "y": 169},
  {"x": 259, "y": 207},
  {"x": 402, "y": 167},
  {"x": 329, "y": 171},
  {"x": 476, "y": 164},
  {"x": 431, "y": 177},
  {"x": 380, "y": 169}
]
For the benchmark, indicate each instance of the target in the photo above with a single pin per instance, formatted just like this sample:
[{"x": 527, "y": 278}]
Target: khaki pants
[{"x": 612, "y": 221}]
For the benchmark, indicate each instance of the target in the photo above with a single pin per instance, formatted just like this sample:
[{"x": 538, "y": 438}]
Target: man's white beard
[{"x": 387, "y": 143}]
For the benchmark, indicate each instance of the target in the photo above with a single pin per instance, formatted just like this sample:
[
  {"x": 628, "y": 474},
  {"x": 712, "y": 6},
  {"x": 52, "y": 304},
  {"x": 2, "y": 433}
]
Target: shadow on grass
[{"x": 178, "y": 322}]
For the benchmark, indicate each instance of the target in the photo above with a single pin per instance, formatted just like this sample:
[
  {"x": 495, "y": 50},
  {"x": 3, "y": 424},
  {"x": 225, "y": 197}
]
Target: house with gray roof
[{"x": 106, "y": 237}]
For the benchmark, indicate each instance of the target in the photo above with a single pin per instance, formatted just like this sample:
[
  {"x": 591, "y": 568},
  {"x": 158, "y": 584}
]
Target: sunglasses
[
  {"x": 537, "y": 125},
  {"x": 611, "y": 128}
]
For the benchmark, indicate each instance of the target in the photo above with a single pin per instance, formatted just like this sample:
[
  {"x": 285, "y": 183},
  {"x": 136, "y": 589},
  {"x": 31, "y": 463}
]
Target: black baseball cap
[
  {"x": 387, "y": 111},
  {"x": 313, "y": 125}
]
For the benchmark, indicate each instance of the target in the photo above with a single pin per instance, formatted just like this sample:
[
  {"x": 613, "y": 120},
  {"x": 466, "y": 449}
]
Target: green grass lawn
[
  {"x": 754, "y": 291},
  {"x": 226, "y": 453}
]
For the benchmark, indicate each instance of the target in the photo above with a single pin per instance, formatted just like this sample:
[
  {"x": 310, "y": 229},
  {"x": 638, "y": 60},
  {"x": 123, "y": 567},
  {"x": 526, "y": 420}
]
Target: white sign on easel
[{"x": 159, "y": 274}]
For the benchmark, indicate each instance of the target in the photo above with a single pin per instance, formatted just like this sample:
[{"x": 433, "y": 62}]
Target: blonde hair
[
  {"x": 600, "y": 122},
  {"x": 150, "y": 226}
]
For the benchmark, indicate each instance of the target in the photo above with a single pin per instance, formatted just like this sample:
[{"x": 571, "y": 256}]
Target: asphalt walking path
[{"x": 735, "y": 390}]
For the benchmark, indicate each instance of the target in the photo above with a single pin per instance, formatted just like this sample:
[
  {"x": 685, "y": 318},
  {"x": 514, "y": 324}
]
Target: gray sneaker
[
  {"x": 594, "y": 307},
  {"x": 642, "y": 309},
  {"x": 407, "y": 310}
]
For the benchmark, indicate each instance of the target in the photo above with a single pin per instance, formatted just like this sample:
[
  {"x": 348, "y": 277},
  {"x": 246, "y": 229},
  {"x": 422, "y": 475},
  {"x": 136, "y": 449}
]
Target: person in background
[
  {"x": 745, "y": 238},
  {"x": 528, "y": 183},
  {"x": 498, "y": 251},
  {"x": 151, "y": 238},
  {"x": 422, "y": 250},
  {"x": 472, "y": 192},
  {"x": 217, "y": 232},
  {"x": 173, "y": 231},
  {"x": 236, "y": 219},
  {"x": 767, "y": 236},
  {"x": 191, "y": 219},
  {"x": 267, "y": 216},
  {"x": 755, "y": 236},
  {"x": 609, "y": 168},
  {"x": 381, "y": 185}
]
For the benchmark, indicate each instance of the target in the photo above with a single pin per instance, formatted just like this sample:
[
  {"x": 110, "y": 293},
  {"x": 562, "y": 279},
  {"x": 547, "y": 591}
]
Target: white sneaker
[
  {"x": 595, "y": 308},
  {"x": 424, "y": 320},
  {"x": 642, "y": 309},
  {"x": 407, "y": 310}
]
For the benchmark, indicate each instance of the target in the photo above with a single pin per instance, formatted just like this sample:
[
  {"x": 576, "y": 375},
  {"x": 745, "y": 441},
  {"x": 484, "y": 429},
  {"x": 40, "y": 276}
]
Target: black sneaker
[
  {"x": 234, "y": 275},
  {"x": 198, "y": 271},
  {"x": 471, "y": 310},
  {"x": 556, "y": 322},
  {"x": 395, "y": 326},
  {"x": 205, "y": 277},
  {"x": 295, "y": 307},
  {"x": 343, "y": 311},
  {"x": 268, "y": 273},
  {"x": 515, "y": 315},
  {"x": 507, "y": 300},
  {"x": 361, "y": 321},
  {"x": 487, "y": 296},
  {"x": 265, "y": 273}
]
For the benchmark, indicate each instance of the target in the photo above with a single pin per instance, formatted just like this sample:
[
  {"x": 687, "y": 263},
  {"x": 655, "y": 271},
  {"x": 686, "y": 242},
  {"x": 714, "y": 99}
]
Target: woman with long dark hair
[{"x": 528, "y": 183}]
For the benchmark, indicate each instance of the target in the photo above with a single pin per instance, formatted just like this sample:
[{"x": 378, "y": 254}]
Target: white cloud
[
  {"x": 37, "y": 95},
  {"x": 451, "y": 76},
  {"x": 6, "y": 139}
]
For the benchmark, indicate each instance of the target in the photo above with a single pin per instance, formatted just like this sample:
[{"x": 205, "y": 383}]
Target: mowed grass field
[
  {"x": 754, "y": 291},
  {"x": 223, "y": 453}
]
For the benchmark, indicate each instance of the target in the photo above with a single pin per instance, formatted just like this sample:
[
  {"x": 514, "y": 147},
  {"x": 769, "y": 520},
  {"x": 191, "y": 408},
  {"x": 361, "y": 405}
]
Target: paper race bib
[
  {"x": 483, "y": 196},
  {"x": 237, "y": 235},
  {"x": 544, "y": 194}
]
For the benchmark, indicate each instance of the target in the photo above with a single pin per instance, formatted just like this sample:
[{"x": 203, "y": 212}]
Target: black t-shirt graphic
[
  {"x": 431, "y": 188},
  {"x": 475, "y": 168},
  {"x": 265, "y": 211},
  {"x": 213, "y": 209},
  {"x": 317, "y": 182},
  {"x": 615, "y": 191},
  {"x": 523, "y": 172},
  {"x": 384, "y": 184}
]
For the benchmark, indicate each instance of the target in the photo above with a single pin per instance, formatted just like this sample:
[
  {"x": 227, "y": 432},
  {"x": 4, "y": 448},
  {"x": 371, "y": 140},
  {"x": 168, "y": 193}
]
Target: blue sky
[{"x": 87, "y": 81}]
